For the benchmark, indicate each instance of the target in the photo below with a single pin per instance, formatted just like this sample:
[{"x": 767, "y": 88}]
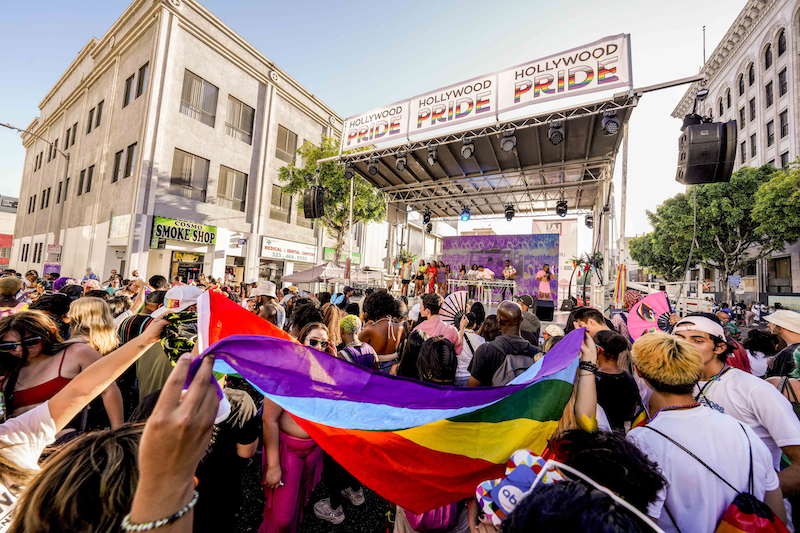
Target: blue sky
[{"x": 362, "y": 54}]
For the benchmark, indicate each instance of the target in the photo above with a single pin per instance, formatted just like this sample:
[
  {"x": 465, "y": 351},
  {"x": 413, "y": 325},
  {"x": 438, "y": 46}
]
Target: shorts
[
  {"x": 406, "y": 281},
  {"x": 420, "y": 277}
]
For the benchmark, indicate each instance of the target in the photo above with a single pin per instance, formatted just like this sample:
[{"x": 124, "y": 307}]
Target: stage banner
[
  {"x": 601, "y": 65},
  {"x": 463, "y": 102},
  {"x": 385, "y": 124}
]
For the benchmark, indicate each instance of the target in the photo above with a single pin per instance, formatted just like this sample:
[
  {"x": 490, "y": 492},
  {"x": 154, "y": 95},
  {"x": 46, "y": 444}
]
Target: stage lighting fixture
[
  {"x": 589, "y": 221},
  {"x": 429, "y": 227},
  {"x": 509, "y": 141},
  {"x": 433, "y": 155},
  {"x": 509, "y": 212},
  {"x": 373, "y": 165},
  {"x": 465, "y": 214},
  {"x": 402, "y": 161},
  {"x": 426, "y": 216},
  {"x": 610, "y": 123},
  {"x": 561, "y": 208},
  {"x": 349, "y": 172},
  {"x": 468, "y": 150},
  {"x": 556, "y": 132}
]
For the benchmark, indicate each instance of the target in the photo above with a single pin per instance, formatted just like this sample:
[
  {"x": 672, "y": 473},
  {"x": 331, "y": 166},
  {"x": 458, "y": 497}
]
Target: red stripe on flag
[{"x": 228, "y": 318}]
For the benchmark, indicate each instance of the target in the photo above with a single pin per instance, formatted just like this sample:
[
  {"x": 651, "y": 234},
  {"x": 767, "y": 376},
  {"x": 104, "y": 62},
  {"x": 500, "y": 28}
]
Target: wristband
[
  {"x": 587, "y": 365},
  {"x": 127, "y": 525}
]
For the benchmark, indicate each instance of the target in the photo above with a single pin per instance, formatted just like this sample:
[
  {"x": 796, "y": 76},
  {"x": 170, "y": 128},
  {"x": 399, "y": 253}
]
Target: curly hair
[
  {"x": 381, "y": 304},
  {"x": 305, "y": 311}
]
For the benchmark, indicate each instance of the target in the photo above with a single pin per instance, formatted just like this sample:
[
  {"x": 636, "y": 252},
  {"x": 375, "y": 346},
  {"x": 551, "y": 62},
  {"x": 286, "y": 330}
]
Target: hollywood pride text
[{"x": 375, "y": 126}]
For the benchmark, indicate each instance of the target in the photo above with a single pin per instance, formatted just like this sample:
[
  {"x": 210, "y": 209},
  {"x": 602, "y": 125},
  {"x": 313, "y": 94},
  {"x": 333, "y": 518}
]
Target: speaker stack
[
  {"x": 706, "y": 153},
  {"x": 314, "y": 202}
]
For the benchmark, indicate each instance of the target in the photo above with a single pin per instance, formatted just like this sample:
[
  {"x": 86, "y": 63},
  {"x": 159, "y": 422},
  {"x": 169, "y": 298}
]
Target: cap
[
  {"x": 177, "y": 299},
  {"x": 294, "y": 289},
  {"x": 526, "y": 299},
  {"x": 786, "y": 319},
  {"x": 700, "y": 323},
  {"x": 413, "y": 314},
  {"x": 554, "y": 331},
  {"x": 264, "y": 288},
  {"x": 252, "y": 281}
]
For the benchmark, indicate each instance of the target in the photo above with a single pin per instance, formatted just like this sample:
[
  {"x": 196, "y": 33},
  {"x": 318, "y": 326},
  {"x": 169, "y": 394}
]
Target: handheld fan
[
  {"x": 649, "y": 314},
  {"x": 454, "y": 307}
]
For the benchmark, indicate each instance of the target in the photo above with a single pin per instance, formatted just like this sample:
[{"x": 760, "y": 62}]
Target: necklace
[
  {"x": 710, "y": 381},
  {"x": 675, "y": 408}
]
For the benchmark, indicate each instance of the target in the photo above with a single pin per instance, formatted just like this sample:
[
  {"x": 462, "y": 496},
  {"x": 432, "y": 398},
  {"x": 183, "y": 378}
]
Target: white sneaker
[
  {"x": 323, "y": 511},
  {"x": 355, "y": 497}
]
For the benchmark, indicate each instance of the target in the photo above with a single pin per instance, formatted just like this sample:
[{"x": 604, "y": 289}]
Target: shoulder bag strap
[
  {"x": 791, "y": 394},
  {"x": 750, "y": 485},
  {"x": 466, "y": 338},
  {"x": 782, "y": 384},
  {"x": 679, "y": 445}
]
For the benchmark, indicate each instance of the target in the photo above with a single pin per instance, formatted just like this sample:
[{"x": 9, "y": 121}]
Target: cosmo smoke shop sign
[
  {"x": 598, "y": 66},
  {"x": 182, "y": 230}
]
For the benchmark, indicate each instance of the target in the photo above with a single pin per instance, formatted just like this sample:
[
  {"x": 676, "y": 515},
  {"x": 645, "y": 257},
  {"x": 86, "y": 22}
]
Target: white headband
[{"x": 700, "y": 323}]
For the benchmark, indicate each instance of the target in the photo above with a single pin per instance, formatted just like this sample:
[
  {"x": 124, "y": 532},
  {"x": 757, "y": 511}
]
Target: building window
[
  {"x": 239, "y": 120},
  {"x": 91, "y": 121},
  {"x": 771, "y": 163},
  {"x": 49, "y": 153},
  {"x": 781, "y": 43},
  {"x": 81, "y": 179},
  {"x": 66, "y": 189},
  {"x": 742, "y": 153},
  {"x": 199, "y": 99},
  {"x": 74, "y": 131},
  {"x": 66, "y": 141},
  {"x": 130, "y": 160},
  {"x": 99, "y": 118},
  {"x": 47, "y": 202},
  {"x": 41, "y": 158},
  {"x": 189, "y": 176},
  {"x": 768, "y": 57},
  {"x": 769, "y": 96},
  {"x": 55, "y": 148},
  {"x": 89, "y": 176},
  {"x": 115, "y": 177},
  {"x": 741, "y": 119},
  {"x": 779, "y": 275},
  {"x": 41, "y": 206},
  {"x": 728, "y": 99},
  {"x": 741, "y": 84},
  {"x": 753, "y": 145},
  {"x": 5, "y": 253},
  {"x": 752, "y": 109},
  {"x": 304, "y": 222},
  {"x": 126, "y": 99},
  {"x": 281, "y": 205},
  {"x": 783, "y": 86},
  {"x": 751, "y": 75},
  {"x": 770, "y": 133},
  {"x": 232, "y": 188},
  {"x": 721, "y": 109},
  {"x": 141, "y": 81},
  {"x": 58, "y": 196},
  {"x": 287, "y": 145},
  {"x": 784, "y": 123},
  {"x": 785, "y": 160}
]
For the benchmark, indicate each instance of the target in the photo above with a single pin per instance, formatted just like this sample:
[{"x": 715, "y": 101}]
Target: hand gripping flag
[{"x": 417, "y": 444}]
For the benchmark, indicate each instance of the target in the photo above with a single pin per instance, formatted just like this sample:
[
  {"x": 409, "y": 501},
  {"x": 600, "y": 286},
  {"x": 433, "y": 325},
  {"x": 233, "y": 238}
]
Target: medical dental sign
[{"x": 602, "y": 65}]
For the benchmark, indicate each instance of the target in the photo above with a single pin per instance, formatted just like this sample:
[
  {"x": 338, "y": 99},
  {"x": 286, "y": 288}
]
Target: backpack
[{"x": 513, "y": 366}]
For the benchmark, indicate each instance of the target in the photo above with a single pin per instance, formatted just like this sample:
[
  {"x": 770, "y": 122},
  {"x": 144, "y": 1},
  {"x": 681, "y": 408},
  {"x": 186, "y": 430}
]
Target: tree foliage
[
  {"x": 777, "y": 206},
  {"x": 369, "y": 204},
  {"x": 643, "y": 251}
]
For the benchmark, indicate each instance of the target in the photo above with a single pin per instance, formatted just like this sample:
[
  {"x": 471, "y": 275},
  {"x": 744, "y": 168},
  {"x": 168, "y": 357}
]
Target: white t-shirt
[
  {"x": 697, "y": 498},
  {"x": 466, "y": 354},
  {"x": 22, "y": 440},
  {"x": 756, "y": 403},
  {"x": 758, "y": 363}
]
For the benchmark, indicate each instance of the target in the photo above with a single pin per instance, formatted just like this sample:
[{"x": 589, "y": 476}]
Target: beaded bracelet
[
  {"x": 587, "y": 365},
  {"x": 127, "y": 525}
]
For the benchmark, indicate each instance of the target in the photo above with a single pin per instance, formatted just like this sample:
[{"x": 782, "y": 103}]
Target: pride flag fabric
[{"x": 419, "y": 445}]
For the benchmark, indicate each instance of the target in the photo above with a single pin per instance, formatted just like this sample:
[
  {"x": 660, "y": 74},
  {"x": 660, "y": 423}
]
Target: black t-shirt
[
  {"x": 783, "y": 363},
  {"x": 489, "y": 356},
  {"x": 618, "y": 395}
]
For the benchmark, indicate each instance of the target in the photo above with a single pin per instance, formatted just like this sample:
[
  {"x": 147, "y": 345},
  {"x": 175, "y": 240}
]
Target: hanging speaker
[
  {"x": 314, "y": 201},
  {"x": 706, "y": 153}
]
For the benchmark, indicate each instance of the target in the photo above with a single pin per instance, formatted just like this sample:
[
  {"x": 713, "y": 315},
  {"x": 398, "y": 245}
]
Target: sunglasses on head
[
  {"x": 30, "y": 342},
  {"x": 321, "y": 344}
]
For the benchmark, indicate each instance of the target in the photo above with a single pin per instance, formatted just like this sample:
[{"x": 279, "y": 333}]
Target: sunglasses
[
  {"x": 30, "y": 342},
  {"x": 323, "y": 345}
]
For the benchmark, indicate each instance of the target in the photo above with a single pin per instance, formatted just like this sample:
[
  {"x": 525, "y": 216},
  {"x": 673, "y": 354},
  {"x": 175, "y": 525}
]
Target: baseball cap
[
  {"x": 177, "y": 299},
  {"x": 554, "y": 331},
  {"x": 786, "y": 319},
  {"x": 526, "y": 299},
  {"x": 294, "y": 289},
  {"x": 264, "y": 288}
]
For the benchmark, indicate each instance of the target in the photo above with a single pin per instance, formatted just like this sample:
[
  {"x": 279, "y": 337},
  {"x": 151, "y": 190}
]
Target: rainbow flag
[{"x": 419, "y": 445}]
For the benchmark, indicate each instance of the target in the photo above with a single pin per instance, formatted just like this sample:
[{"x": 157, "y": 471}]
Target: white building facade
[
  {"x": 753, "y": 77},
  {"x": 175, "y": 129}
]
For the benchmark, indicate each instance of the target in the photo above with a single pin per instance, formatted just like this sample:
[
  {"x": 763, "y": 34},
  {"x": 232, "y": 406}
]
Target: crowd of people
[{"x": 98, "y": 433}]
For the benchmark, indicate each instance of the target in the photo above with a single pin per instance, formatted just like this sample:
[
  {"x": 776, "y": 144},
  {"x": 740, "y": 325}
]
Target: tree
[
  {"x": 727, "y": 236},
  {"x": 369, "y": 204},
  {"x": 777, "y": 206},
  {"x": 642, "y": 251}
]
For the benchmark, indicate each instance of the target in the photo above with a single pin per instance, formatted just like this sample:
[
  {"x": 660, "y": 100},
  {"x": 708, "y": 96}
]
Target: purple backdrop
[{"x": 528, "y": 254}]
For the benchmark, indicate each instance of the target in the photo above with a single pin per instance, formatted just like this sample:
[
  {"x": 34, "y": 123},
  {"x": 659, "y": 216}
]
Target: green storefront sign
[
  {"x": 183, "y": 231},
  {"x": 329, "y": 253}
]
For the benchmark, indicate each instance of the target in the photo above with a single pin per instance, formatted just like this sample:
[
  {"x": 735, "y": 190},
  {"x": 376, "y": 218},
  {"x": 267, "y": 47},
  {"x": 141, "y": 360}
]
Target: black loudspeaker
[
  {"x": 313, "y": 201},
  {"x": 545, "y": 310},
  {"x": 706, "y": 153}
]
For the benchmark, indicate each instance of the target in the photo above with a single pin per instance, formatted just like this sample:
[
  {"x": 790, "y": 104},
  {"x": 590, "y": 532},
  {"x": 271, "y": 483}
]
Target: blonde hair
[
  {"x": 91, "y": 317},
  {"x": 10, "y": 286},
  {"x": 87, "y": 486},
  {"x": 331, "y": 316},
  {"x": 667, "y": 361}
]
